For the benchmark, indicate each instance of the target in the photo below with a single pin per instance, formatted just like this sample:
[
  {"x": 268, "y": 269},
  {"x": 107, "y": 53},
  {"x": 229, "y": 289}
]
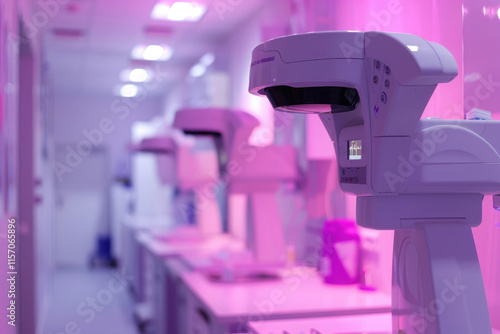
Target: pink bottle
[{"x": 340, "y": 261}]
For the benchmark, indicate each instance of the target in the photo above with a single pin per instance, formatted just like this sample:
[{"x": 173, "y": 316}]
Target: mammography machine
[
  {"x": 425, "y": 179},
  {"x": 153, "y": 175},
  {"x": 256, "y": 172},
  {"x": 226, "y": 128},
  {"x": 173, "y": 211}
]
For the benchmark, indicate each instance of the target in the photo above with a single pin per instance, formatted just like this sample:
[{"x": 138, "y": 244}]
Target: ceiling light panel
[
  {"x": 152, "y": 52},
  {"x": 129, "y": 90},
  {"x": 178, "y": 11},
  {"x": 136, "y": 75}
]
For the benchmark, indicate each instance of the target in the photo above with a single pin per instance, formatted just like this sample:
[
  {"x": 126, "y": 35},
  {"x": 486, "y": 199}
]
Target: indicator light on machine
[{"x": 478, "y": 114}]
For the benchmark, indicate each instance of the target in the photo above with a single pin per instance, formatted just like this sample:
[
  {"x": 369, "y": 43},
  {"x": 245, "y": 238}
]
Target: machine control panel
[
  {"x": 381, "y": 85},
  {"x": 353, "y": 175}
]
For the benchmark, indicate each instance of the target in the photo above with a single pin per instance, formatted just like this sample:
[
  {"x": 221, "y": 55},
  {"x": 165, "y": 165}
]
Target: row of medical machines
[
  {"x": 198, "y": 184},
  {"x": 202, "y": 192},
  {"x": 201, "y": 162},
  {"x": 423, "y": 178}
]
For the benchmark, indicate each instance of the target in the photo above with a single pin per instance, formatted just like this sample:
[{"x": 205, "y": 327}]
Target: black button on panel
[{"x": 383, "y": 97}]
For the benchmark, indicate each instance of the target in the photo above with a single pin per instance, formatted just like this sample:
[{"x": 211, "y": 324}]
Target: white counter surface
[
  {"x": 371, "y": 323},
  {"x": 174, "y": 243},
  {"x": 154, "y": 222},
  {"x": 352, "y": 324},
  {"x": 301, "y": 293}
]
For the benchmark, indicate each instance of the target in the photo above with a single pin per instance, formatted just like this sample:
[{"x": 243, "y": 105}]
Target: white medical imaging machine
[{"x": 423, "y": 178}]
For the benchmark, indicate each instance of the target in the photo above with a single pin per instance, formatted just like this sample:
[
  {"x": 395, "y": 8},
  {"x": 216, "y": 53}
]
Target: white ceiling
[{"x": 92, "y": 63}]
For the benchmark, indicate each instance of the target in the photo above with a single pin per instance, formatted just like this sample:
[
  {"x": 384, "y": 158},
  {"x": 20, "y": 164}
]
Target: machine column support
[{"x": 437, "y": 282}]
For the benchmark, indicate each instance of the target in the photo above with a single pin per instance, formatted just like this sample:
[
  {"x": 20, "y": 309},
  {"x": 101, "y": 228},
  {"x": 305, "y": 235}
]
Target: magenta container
[{"x": 341, "y": 252}]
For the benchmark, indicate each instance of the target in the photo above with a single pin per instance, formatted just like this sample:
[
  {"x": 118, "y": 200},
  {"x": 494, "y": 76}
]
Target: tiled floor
[{"x": 95, "y": 301}]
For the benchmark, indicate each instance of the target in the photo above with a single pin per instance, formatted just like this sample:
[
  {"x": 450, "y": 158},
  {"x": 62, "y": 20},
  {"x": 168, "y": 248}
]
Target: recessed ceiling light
[
  {"x": 135, "y": 75},
  {"x": 129, "y": 90},
  {"x": 207, "y": 59},
  {"x": 197, "y": 70},
  {"x": 178, "y": 11},
  {"x": 152, "y": 52},
  {"x": 138, "y": 75},
  {"x": 201, "y": 67}
]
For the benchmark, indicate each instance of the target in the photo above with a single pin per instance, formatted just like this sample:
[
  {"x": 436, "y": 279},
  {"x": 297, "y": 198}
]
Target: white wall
[
  {"x": 239, "y": 46},
  {"x": 174, "y": 101},
  {"x": 102, "y": 125},
  {"x": 111, "y": 116}
]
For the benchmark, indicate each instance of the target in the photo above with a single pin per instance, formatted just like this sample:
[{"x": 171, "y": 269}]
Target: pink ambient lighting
[
  {"x": 491, "y": 12},
  {"x": 178, "y": 11}
]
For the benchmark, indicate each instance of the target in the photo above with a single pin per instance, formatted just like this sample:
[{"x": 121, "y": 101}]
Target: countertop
[
  {"x": 175, "y": 242},
  {"x": 370, "y": 323},
  {"x": 300, "y": 293}
]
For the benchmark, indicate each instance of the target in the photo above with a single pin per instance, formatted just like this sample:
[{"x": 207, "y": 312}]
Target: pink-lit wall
[
  {"x": 481, "y": 90},
  {"x": 438, "y": 21},
  {"x": 476, "y": 49}
]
